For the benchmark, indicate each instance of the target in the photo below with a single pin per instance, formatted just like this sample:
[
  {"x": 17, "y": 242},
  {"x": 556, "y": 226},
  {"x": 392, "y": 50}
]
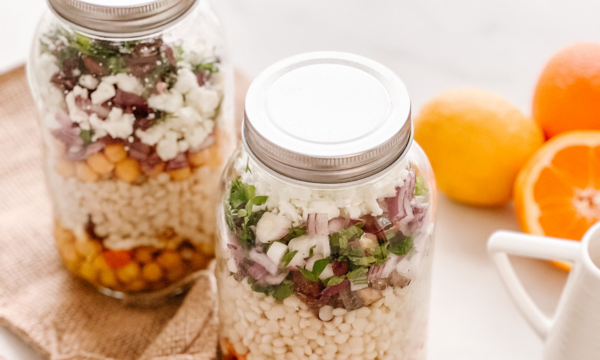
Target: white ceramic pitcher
[{"x": 573, "y": 333}]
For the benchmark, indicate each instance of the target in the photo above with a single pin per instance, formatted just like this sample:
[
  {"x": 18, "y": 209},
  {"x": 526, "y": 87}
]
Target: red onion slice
[
  {"x": 139, "y": 151},
  {"x": 91, "y": 108},
  {"x": 263, "y": 260},
  {"x": 337, "y": 224},
  {"x": 178, "y": 162},
  {"x": 332, "y": 290},
  {"x": 272, "y": 280},
  {"x": 257, "y": 271}
]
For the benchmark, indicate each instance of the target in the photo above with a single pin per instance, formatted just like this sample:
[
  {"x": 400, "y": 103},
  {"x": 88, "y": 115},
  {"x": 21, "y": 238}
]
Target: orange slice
[{"x": 557, "y": 192}]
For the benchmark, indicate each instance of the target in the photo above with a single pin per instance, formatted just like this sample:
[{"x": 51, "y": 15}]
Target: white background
[{"x": 433, "y": 45}]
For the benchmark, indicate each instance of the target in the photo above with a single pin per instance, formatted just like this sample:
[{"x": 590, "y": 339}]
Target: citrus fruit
[
  {"x": 477, "y": 142},
  {"x": 567, "y": 95},
  {"x": 557, "y": 193}
]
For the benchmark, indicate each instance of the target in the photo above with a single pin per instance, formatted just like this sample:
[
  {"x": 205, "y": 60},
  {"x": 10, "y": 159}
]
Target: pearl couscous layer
[{"x": 257, "y": 327}]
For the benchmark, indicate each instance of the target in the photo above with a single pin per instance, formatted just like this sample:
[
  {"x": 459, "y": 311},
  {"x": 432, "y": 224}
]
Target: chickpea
[
  {"x": 85, "y": 173},
  {"x": 87, "y": 248},
  {"x": 115, "y": 152},
  {"x": 62, "y": 235},
  {"x": 99, "y": 263},
  {"x": 175, "y": 273},
  {"x": 65, "y": 168},
  {"x": 210, "y": 157},
  {"x": 152, "y": 272},
  {"x": 144, "y": 255},
  {"x": 136, "y": 285},
  {"x": 169, "y": 259},
  {"x": 108, "y": 279},
  {"x": 128, "y": 273},
  {"x": 200, "y": 158},
  {"x": 88, "y": 272},
  {"x": 128, "y": 170},
  {"x": 199, "y": 261},
  {"x": 68, "y": 253},
  {"x": 100, "y": 163},
  {"x": 156, "y": 170},
  {"x": 181, "y": 174}
]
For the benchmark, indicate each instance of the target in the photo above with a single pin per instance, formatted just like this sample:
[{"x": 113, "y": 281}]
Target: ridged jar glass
[
  {"x": 325, "y": 233},
  {"x": 136, "y": 109}
]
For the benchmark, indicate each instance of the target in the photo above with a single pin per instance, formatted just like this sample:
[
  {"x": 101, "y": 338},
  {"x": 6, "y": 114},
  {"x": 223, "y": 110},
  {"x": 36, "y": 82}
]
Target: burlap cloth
[{"x": 47, "y": 307}]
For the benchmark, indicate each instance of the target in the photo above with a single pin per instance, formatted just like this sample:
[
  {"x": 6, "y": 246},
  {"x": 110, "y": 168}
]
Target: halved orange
[{"x": 557, "y": 192}]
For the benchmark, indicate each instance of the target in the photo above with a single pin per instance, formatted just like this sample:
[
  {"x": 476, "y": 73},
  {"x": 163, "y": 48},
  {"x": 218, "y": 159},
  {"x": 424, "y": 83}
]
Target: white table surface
[{"x": 433, "y": 45}]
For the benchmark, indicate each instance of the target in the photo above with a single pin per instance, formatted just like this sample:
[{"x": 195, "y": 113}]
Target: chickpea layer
[{"x": 141, "y": 269}]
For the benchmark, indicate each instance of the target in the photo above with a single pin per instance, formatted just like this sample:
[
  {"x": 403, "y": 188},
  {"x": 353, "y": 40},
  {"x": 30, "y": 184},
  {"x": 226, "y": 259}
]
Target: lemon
[{"x": 477, "y": 142}]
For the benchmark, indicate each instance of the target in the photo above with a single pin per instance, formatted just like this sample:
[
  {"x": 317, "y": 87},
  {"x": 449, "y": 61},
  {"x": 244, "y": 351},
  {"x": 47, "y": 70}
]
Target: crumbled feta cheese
[
  {"x": 170, "y": 101},
  {"x": 75, "y": 113},
  {"x": 152, "y": 135},
  {"x": 46, "y": 67},
  {"x": 204, "y": 100},
  {"x": 104, "y": 92},
  {"x": 186, "y": 116},
  {"x": 182, "y": 146},
  {"x": 186, "y": 81},
  {"x": 167, "y": 147},
  {"x": 117, "y": 124},
  {"x": 125, "y": 82},
  {"x": 322, "y": 207},
  {"x": 196, "y": 136},
  {"x": 296, "y": 202},
  {"x": 89, "y": 82}
]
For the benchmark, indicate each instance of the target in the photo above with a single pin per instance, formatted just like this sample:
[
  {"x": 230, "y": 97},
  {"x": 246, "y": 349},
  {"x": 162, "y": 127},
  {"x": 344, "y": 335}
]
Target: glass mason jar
[
  {"x": 136, "y": 115},
  {"x": 327, "y": 216}
]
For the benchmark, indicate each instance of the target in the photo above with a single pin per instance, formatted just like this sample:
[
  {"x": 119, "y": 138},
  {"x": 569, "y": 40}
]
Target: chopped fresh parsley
[
  {"x": 240, "y": 193},
  {"x": 420, "y": 188},
  {"x": 318, "y": 268},
  {"x": 86, "y": 136},
  {"x": 401, "y": 245},
  {"x": 293, "y": 233},
  {"x": 334, "y": 280},
  {"x": 283, "y": 290},
  {"x": 357, "y": 273},
  {"x": 241, "y": 206},
  {"x": 279, "y": 292},
  {"x": 340, "y": 240},
  {"x": 285, "y": 260},
  {"x": 210, "y": 67}
]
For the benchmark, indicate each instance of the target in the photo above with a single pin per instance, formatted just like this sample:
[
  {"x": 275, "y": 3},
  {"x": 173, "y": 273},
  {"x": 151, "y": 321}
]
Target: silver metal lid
[
  {"x": 327, "y": 117},
  {"x": 120, "y": 18}
]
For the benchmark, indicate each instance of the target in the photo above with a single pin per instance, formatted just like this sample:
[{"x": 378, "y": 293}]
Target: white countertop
[{"x": 433, "y": 45}]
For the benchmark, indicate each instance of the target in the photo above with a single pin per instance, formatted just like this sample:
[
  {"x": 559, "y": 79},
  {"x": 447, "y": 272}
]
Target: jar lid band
[
  {"x": 327, "y": 117},
  {"x": 123, "y": 18}
]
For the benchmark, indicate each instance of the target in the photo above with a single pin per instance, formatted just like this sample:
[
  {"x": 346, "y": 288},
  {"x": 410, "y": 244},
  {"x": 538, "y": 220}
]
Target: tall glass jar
[
  {"x": 136, "y": 116},
  {"x": 326, "y": 220}
]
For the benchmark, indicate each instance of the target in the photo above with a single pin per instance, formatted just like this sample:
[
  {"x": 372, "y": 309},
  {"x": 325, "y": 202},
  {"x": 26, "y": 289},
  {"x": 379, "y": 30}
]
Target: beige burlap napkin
[{"x": 47, "y": 307}]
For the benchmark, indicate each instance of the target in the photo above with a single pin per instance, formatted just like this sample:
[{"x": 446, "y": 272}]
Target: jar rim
[
  {"x": 331, "y": 186},
  {"x": 109, "y": 21}
]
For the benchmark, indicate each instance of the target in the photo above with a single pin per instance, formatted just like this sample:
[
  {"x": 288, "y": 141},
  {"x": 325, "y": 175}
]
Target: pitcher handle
[{"x": 502, "y": 243}]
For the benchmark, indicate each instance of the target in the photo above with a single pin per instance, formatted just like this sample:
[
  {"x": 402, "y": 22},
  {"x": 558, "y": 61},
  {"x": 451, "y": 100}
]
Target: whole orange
[
  {"x": 567, "y": 95},
  {"x": 477, "y": 142}
]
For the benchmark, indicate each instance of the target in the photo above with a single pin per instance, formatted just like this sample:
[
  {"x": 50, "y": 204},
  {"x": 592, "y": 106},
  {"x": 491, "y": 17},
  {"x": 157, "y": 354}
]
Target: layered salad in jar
[
  {"x": 135, "y": 140},
  {"x": 325, "y": 273}
]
